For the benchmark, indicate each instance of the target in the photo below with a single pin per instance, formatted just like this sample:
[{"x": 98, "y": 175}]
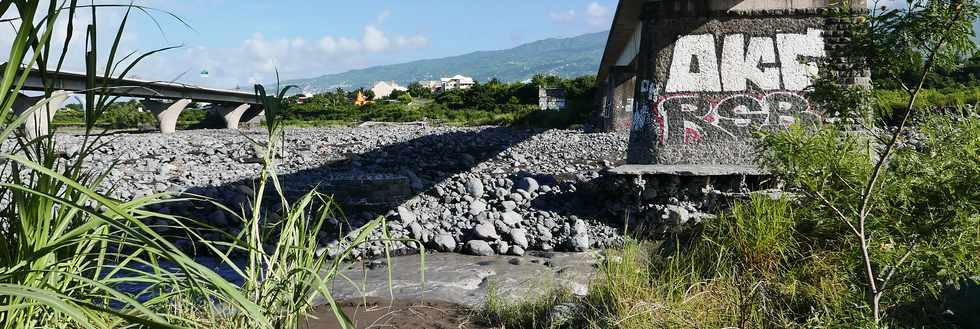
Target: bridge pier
[
  {"x": 618, "y": 112},
  {"x": 231, "y": 113},
  {"x": 166, "y": 113},
  {"x": 36, "y": 124}
]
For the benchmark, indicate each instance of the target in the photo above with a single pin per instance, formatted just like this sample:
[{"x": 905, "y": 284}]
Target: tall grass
[
  {"x": 67, "y": 248},
  {"x": 749, "y": 268}
]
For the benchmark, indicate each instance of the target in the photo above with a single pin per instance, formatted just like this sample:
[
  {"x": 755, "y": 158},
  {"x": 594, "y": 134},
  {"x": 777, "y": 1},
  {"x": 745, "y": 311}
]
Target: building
[
  {"x": 384, "y": 89},
  {"x": 456, "y": 82},
  {"x": 301, "y": 98},
  {"x": 432, "y": 85},
  {"x": 693, "y": 80},
  {"x": 551, "y": 98}
]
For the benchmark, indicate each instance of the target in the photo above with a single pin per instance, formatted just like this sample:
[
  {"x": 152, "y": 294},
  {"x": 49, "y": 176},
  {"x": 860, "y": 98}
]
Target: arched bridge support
[
  {"x": 166, "y": 113},
  {"x": 231, "y": 113},
  {"x": 44, "y": 109}
]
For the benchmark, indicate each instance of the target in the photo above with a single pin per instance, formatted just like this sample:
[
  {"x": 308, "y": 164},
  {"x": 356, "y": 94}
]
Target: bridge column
[
  {"x": 166, "y": 112},
  {"x": 622, "y": 87},
  {"x": 231, "y": 113},
  {"x": 36, "y": 124}
]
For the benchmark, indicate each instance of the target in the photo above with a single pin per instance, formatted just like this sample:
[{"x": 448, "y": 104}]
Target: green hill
[{"x": 565, "y": 57}]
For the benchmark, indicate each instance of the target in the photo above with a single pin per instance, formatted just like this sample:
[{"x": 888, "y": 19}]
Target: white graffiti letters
[
  {"x": 745, "y": 64},
  {"x": 793, "y": 51},
  {"x": 694, "y": 67},
  {"x": 695, "y": 63}
]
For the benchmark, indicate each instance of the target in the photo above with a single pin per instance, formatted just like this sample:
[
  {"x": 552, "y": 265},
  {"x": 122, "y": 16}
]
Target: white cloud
[
  {"x": 374, "y": 39},
  {"x": 563, "y": 16},
  {"x": 593, "y": 17},
  {"x": 598, "y": 15}
]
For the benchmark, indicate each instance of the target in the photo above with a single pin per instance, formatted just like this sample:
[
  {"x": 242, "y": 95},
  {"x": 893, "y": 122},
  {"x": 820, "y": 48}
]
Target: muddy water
[{"x": 464, "y": 279}]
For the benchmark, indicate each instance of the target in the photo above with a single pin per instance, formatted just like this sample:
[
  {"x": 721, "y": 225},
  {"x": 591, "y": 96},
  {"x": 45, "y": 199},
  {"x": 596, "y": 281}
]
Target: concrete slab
[{"x": 688, "y": 170}]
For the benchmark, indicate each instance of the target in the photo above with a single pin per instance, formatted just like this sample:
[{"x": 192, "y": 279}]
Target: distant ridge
[{"x": 566, "y": 57}]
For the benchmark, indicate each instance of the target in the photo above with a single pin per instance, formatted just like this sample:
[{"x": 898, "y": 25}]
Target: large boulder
[
  {"x": 485, "y": 231},
  {"x": 511, "y": 218},
  {"x": 519, "y": 237},
  {"x": 444, "y": 242},
  {"x": 474, "y": 187},
  {"x": 479, "y": 248}
]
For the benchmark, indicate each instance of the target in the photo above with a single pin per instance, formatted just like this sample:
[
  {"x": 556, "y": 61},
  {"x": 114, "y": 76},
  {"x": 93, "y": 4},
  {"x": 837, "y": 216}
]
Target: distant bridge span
[{"x": 164, "y": 99}]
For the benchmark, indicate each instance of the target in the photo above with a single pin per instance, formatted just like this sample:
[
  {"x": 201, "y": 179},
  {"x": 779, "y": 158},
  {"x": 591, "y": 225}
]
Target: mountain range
[{"x": 565, "y": 57}]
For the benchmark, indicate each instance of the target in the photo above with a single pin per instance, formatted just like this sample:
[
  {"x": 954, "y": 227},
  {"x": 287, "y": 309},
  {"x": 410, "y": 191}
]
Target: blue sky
[{"x": 241, "y": 42}]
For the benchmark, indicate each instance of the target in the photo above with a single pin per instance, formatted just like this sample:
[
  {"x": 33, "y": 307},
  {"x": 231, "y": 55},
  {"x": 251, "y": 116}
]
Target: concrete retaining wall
[{"x": 707, "y": 79}]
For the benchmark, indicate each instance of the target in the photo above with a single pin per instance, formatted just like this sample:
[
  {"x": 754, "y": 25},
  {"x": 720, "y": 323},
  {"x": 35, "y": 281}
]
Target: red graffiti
[{"x": 692, "y": 118}]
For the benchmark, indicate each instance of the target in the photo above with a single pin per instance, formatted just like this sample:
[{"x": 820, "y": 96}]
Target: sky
[{"x": 242, "y": 42}]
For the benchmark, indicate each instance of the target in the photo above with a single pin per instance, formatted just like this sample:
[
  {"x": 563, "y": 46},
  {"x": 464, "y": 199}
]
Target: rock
[
  {"x": 519, "y": 237},
  {"x": 405, "y": 215},
  {"x": 502, "y": 247},
  {"x": 474, "y": 187},
  {"x": 511, "y": 218},
  {"x": 445, "y": 242},
  {"x": 580, "y": 227},
  {"x": 485, "y": 231},
  {"x": 526, "y": 183},
  {"x": 509, "y": 205},
  {"x": 479, "y": 248},
  {"x": 501, "y": 226},
  {"x": 478, "y": 206},
  {"x": 579, "y": 242},
  {"x": 563, "y": 314},
  {"x": 516, "y": 251},
  {"x": 416, "y": 230},
  {"x": 677, "y": 215}
]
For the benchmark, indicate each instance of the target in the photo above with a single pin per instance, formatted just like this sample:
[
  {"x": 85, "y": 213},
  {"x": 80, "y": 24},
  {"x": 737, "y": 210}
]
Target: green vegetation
[
  {"x": 488, "y": 103},
  {"x": 70, "y": 256},
  {"x": 878, "y": 223}
]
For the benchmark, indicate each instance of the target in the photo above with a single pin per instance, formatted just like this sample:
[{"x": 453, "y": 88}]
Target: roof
[{"x": 623, "y": 25}]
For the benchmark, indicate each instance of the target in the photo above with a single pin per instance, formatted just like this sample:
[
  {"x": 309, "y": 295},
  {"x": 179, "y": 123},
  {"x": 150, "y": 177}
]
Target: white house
[
  {"x": 384, "y": 89},
  {"x": 456, "y": 82}
]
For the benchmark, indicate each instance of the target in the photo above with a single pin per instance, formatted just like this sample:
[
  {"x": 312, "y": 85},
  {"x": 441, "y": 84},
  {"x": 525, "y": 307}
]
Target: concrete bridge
[
  {"x": 166, "y": 100},
  {"x": 691, "y": 80}
]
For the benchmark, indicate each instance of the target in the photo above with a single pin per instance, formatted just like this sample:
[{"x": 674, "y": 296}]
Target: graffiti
[
  {"x": 755, "y": 81},
  {"x": 697, "y": 67},
  {"x": 691, "y": 118}
]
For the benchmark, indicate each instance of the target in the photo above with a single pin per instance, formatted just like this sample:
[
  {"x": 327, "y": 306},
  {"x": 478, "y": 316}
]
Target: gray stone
[
  {"x": 563, "y": 314},
  {"x": 474, "y": 187},
  {"x": 516, "y": 251},
  {"x": 511, "y": 218},
  {"x": 519, "y": 237},
  {"x": 677, "y": 215},
  {"x": 445, "y": 242},
  {"x": 579, "y": 242},
  {"x": 416, "y": 230},
  {"x": 580, "y": 227},
  {"x": 477, "y": 207},
  {"x": 405, "y": 215},
  {"x": 509, "y": 205},
  {"x": 479, "y": 248},
  {"x": 501, "y": 226},
  {"x": 502, "y": 247},
  {"x": 485, "y": 231}
]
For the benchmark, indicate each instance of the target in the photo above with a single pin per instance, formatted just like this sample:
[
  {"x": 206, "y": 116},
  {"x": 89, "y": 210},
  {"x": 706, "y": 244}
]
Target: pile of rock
[{"x": 479, "y": 190}]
